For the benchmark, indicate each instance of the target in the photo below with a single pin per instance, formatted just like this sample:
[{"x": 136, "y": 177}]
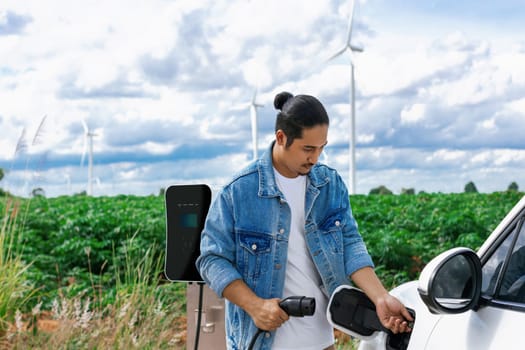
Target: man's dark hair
[{"x": 298, "y": 113}]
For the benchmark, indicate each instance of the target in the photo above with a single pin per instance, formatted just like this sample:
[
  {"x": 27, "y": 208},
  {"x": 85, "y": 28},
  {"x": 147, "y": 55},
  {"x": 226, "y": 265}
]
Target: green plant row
[
  {"x": 404, "y": 232},
  {"x": 75, "y": 243}
]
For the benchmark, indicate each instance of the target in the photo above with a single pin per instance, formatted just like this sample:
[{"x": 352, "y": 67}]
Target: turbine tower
[
  {"x": 253, "y": 118},
  {"x": 351, "y": 48},
  {"x": 88, "y": 137}
]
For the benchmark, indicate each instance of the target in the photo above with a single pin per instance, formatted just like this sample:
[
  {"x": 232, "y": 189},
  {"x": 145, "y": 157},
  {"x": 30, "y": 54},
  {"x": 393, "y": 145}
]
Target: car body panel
[
  {"x": 423, "y": 327},
  {"x": 486, "y": 329}
]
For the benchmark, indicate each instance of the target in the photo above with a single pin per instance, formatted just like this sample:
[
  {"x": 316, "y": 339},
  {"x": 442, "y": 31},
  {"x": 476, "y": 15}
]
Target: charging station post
[{"x": 211, "y": 330}]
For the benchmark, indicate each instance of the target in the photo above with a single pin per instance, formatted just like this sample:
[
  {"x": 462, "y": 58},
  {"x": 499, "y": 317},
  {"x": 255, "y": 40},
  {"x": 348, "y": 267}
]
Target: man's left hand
[{"x": 393, "y": 314}]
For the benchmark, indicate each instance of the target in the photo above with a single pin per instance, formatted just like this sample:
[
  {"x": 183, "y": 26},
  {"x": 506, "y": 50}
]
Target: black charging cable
[
  {"x": 199, "y": 315},
  {"x": 296, "y": 306}
]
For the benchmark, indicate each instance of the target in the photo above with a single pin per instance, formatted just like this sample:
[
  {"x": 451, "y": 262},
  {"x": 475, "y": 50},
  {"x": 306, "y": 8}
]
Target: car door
[{"x": 497, "y": 321}]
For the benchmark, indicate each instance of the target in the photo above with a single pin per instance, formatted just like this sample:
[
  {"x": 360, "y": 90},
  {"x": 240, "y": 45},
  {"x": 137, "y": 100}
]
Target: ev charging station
[{"x": 186, "y": 210}]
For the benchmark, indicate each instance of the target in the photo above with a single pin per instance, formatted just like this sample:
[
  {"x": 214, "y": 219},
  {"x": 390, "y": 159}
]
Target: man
[{"x": 284, "y": 226}]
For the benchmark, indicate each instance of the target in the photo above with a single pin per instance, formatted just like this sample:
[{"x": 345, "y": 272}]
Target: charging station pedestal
[{"x": 212, "y": 334}]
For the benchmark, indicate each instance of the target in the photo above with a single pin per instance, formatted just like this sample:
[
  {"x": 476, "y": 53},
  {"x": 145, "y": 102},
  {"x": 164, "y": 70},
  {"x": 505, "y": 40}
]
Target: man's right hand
[{"x": 266, "y": 313}]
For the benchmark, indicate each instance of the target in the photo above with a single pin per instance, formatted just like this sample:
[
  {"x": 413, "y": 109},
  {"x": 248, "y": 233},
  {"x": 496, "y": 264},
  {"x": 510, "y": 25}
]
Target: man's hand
[
  {"x": 267, "y": 314},
  {"x": 392, "y": 314}
]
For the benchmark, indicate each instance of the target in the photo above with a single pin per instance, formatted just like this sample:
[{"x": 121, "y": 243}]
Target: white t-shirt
[{"x": 302, "y": 279}]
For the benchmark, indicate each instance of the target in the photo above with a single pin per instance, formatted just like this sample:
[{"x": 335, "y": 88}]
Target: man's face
[{"x": 302, "y": 154}]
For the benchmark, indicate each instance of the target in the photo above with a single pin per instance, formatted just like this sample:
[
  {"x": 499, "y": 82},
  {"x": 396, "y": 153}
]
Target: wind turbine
[
  {"x": 252, "y": 105},
  {"x": 68, "y": 182},
  {"x": 253, "y": 118},
  {"x": 351, "y": 49},
  {"x": 88, "y": 137}
]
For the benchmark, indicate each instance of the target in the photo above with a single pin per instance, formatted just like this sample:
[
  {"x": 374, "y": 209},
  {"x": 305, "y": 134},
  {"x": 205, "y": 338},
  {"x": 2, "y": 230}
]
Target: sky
[{"x": 165, "y": 87}]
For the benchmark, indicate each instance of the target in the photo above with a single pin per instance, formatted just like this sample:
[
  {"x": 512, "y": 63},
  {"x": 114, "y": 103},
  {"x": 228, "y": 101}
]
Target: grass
[
  {"x": 136, "y": 312},
  {"x": 137, "y": 320},
  {"x": 15, "y": 289},
  {"x": 344, "y": 341}
]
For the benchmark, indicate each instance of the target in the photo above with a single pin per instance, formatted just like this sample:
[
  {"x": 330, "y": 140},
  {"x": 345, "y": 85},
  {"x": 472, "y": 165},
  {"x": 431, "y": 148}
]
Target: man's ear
[{"x": 280, "y": 137}]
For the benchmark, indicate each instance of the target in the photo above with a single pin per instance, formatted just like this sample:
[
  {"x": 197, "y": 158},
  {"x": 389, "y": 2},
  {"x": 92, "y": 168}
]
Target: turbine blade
[
  {"x": 350, "y": 24},
  {"x": 356, "y": 48},
  {"x": 254, "y": 99},
  {"x": 338, "y": 53},
  {"x": 253, "y": 120},
  {"x": 84, "y": 150},
  {"x": 84, "y": 125}
]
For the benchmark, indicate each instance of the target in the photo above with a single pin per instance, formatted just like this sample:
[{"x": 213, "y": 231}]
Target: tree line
[{"x": 470, "y": 187}]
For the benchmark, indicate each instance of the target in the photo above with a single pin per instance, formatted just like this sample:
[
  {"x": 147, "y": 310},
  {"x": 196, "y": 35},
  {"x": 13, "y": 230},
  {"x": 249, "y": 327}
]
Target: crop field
[{"x": 86, "y": 272}]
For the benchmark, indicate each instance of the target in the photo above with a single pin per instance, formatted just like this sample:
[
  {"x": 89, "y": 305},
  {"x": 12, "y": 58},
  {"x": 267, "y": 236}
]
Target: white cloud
[
  {"x": 413, "y": 114},
  {"x": 446, "y": 155},
  {"x": 437, "y": 94},
  {"x": 489, "y": 124},
  {"x": 517, "y": 106}
]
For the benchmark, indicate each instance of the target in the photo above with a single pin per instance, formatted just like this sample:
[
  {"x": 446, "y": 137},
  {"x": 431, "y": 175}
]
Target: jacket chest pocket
[
  {"x": 331, "y": 232},
  {"x": 254, "y": 255}
]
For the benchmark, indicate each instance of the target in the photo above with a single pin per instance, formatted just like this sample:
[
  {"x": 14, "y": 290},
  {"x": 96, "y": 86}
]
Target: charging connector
[{"x": 296, "y": 306}]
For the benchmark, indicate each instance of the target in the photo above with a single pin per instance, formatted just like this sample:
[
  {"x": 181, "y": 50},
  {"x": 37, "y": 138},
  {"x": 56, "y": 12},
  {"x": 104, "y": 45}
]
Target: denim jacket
[{"x": 246, "y": 237}]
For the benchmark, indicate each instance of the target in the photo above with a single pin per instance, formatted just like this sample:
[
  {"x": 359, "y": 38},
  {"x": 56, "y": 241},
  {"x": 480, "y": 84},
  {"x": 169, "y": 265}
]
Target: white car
[{"x": 463, "y": 300}]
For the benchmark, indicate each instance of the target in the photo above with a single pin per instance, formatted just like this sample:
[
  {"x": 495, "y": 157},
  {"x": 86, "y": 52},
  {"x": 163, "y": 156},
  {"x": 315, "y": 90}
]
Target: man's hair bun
[{"x": 280, "y": 99}]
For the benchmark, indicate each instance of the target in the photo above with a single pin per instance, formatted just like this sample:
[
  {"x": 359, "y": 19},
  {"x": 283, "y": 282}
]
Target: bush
[
  {"x": 471, "y": 188},
  {"x": 380, "y": 190}
]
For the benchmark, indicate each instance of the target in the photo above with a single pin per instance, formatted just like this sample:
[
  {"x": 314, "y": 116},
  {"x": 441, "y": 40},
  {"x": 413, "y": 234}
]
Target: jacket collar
[{"x": 267, "y": 184}]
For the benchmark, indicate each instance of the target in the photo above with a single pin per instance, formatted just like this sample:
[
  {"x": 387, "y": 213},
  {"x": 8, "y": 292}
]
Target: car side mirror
[{"x": 451, "y": 282}]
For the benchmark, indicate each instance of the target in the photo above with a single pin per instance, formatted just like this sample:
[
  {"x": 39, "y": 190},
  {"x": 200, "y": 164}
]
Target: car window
[
  {"x": 492, "y": 267},
  {"x": 513, "y": 281},
  {"x": 504, "y": 273}
]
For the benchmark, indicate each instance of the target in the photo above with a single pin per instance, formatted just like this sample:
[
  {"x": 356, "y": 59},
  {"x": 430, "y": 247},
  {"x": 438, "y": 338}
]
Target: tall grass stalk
[{"x": 15, "y": 289}]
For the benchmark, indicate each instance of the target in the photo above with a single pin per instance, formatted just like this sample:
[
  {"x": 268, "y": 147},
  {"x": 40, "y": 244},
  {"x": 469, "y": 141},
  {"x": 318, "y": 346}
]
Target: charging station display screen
[
  {"x": 186, "y": 210},
  {"x": 189, "y": 220}
]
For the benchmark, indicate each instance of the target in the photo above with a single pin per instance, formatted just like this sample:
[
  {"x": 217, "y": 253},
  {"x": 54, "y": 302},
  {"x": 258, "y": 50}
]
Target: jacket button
[
  {"x": 267, "y": 334},
  {"x": 337, "y": 223},
  {"x": 281, "y": 231},
  {"x": 277, "y": 266},
  {"x": 254, "y": 246}
]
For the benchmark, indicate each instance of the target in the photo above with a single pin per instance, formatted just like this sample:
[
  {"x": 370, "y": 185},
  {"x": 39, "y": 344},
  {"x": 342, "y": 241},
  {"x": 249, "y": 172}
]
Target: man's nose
[{"x": 314, "y": 157}]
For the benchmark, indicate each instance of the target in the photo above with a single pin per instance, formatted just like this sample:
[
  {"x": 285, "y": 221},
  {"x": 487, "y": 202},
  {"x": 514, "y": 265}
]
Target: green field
[{"x": 107, "y": 252}]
